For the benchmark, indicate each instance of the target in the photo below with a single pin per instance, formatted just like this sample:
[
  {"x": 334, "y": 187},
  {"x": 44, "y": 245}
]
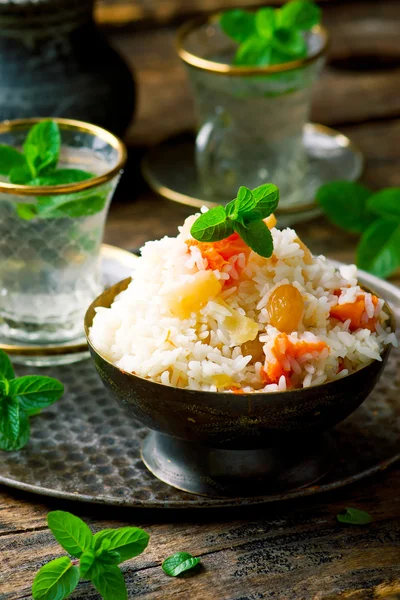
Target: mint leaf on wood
[
  {"x": 70, "y": 532},
  {"x": 179, "y": 563},
  {"x": 35, "y": 391},
  {"x": 378, "y": 251},
  {"x": 42, "y": 147},
  {"x": 257, "y": 236},
  {"x": 55, "y": 580},
  {"x": 127, "y": 541},
  {"x": 238, "y": 24},
  {"x": 345, "y": 204},
  {"x": 6, "y": 368},
  {"x": 354, "y": 516},
  {"x": 10, "y": 158},
  {"x": 86, "y": 561},
  {"x": 110, "y": 583}
]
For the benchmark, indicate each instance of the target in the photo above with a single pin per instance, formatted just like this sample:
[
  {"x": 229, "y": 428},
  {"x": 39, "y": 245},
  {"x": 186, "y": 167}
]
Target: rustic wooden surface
[{"x": 293, "y": 550}]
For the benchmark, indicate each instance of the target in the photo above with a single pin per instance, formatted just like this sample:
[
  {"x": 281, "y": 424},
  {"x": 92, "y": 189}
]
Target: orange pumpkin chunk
[
  {"x": 355, "y": 312},
  {"x": 284, "y": 348}
]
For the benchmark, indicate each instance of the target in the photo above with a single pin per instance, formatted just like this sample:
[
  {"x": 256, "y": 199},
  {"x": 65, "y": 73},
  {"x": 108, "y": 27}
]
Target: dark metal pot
[
  {"x": 226, "y": 444},
  {"x": 55, "y": 62}
]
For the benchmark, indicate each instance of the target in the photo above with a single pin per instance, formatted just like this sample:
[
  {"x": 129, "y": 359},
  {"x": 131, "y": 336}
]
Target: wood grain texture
[{"x": 288, "y": 551}]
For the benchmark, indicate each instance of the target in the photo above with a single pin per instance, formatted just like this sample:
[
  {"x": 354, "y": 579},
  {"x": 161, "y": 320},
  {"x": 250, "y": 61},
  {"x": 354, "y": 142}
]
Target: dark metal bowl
[{"x": 216, "y": 443}]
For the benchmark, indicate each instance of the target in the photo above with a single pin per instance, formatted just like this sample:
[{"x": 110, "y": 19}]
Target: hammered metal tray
[{"x": 84, "y": 447}]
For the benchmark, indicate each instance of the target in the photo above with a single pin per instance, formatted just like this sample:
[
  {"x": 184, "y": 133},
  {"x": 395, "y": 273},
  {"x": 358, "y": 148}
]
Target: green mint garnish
[
  {"x": 376, "y": 216},
  {"x": 42, "y": 147},
  {"x": 21, "y": 398},
  {"x": 353, "y": 516},
  {"x": 179, "y": 563},
  {"x": 37, "y": 166},
  {"x": 270, "y": 36},
  {"x": 244, "y": 215},
  {"x": 98, "y": 556},
  {"x": 57, "y": 579}
]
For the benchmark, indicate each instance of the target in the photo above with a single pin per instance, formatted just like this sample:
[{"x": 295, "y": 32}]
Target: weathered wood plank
[{"x": 283, "y": 549}]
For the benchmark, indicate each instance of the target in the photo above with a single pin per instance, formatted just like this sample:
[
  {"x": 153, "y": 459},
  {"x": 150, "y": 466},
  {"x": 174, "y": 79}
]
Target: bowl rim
[
  {"x": 88, "y": 321},
  {"x": 68, "y": 188}
]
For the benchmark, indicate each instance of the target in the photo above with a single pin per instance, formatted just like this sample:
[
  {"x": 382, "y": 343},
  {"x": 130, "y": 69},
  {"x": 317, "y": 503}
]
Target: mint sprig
[
  {"x": 21, "y": 398},
  {"x": 244, "y": 215},
  {"x": 179, "y": 563},
  {"x": 37, "y": 165},
  {"x": 99, "y": 556},
  {"x": 376, "y": 216},
  {"x": 270, "y": 36},
  {"x": 354, "y": 516}
]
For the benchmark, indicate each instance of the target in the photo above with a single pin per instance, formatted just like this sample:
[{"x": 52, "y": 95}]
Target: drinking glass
[
  {"x": 250, "y": 119},
  {"x": 49, "y": 266}
]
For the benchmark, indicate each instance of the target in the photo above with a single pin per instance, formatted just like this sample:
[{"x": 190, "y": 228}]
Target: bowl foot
[{"x": 233, "y": 473}]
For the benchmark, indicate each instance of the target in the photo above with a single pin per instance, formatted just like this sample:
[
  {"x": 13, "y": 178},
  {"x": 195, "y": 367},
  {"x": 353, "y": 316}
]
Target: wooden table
[{"x": 293, "y": 550}]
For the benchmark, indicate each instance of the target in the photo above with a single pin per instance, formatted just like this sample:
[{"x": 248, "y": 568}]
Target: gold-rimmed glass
[
  {"x": 49, "y": 267},
  {"x": 250, "y": 119}
]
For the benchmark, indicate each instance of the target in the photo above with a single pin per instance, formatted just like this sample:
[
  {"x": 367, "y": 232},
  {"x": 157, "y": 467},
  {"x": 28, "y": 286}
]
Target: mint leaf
[
  {"x": 353, "y": 516},
  {"x": 9, "y": 419},
  {"x": 299, "y": 14},
  {"x": 20, "y": 175},
  {"x": 256, "y": 235},
  {"x": 253, "y": 52},
  {"x": 127, "y": 541},
  {"x": 56, "y": 580},
  {"x": 265, "y": 22},
  {"x": 385, "y": 203},
  {"x": 241, "y": 205},
  {"x": 81, "y": 204},
  {"x": 10, "y": 158},
  {"x": 290, "y": 43},
  {"x": 109, "y": 557},
  {"x": 345, "y": 205},
  {"x": 110, "y": 583},
  {"x": 70, "y": 532},
  {"x": 267, "y": 200},
  {"x": 6, "y": 368},
  {"x": 238, "y": 24},
  {"x": 63, "y": 176},
  {"x": 179, "y": 563},
  {"x": 379, "y": 248},
  {"x": 9, "y": 444},
  {"x": 36, "y": 391},
  {"x": 42, "y": 147},
  {"x": 212, "y": 225},
  {"x": 86, "y": 561}
]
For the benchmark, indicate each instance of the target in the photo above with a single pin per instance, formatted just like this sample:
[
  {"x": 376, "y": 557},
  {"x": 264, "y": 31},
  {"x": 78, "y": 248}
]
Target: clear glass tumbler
[
  {"x": 250, "y": 119},
  {"x": 49, "y": 266}
]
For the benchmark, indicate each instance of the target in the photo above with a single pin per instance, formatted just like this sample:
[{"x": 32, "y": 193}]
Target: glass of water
[
  {"x": 250, "y": 119},
  {"x": 49, "y": 265}
]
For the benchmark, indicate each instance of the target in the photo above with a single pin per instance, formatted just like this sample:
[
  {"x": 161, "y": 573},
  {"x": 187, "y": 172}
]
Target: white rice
[{"x": 142, "y": 334}]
